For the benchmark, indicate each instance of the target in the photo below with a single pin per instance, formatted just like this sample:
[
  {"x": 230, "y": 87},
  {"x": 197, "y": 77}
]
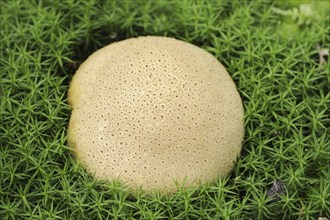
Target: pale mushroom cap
[{"x": 154, "y": 110}]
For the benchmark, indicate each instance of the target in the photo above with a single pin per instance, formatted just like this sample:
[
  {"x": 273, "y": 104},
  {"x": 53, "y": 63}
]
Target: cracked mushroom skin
[{"x": 155, "y": 110}]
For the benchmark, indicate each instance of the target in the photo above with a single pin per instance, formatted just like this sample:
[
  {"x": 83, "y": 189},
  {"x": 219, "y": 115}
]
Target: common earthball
[{"x": 152, "y": 111}]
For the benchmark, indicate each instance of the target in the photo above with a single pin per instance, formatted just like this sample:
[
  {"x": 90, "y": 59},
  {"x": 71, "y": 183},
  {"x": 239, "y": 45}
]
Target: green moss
[
  {"x": 284, "y": 90},
  {"x": 298, "y": 15}
]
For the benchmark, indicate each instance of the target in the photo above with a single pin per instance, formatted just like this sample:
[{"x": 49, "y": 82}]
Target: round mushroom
[{"x": 153, "y": 111}]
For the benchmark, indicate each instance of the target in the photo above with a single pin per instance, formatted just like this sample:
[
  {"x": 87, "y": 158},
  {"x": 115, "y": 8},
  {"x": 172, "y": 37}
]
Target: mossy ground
[{"x": 272, "y": 59}]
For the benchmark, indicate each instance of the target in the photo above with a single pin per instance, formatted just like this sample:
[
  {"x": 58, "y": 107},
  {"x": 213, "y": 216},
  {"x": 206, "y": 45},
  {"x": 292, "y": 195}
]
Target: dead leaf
[
  {"x": 323, "y": 52},
  {"x": 276, "y": 190}
]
